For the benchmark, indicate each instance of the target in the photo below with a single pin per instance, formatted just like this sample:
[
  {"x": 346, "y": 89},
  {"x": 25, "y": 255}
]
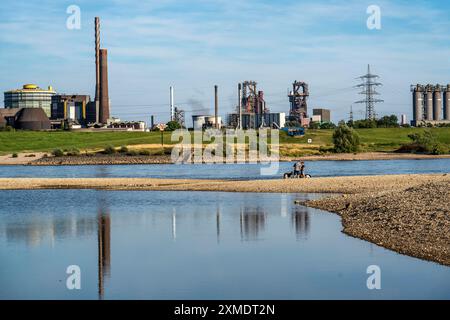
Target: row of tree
[{"x": 384, "y": 122}]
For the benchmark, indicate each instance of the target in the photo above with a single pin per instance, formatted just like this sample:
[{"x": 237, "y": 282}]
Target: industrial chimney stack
[
  {"x": 101, "y": 78},
  {"x": 172, "y": 105},
  {"x": 97, "y": 58},
  {"x": 216, "y": 107},
  {"x": 104, "y": 94}
]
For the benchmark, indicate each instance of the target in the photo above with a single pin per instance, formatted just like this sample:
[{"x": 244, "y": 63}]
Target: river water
[
  {"x": 190, "y": 245},
  {"x": 232, "y": 171}
]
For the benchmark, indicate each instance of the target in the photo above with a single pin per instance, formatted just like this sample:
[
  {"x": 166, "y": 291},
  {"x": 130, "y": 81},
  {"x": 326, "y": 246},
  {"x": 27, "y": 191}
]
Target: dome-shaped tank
[
  {"x": 32, "y": 119},
  {"x": 2, "y": 122}
]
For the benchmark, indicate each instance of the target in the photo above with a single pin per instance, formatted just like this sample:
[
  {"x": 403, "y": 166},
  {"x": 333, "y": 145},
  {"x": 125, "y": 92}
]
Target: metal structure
[
  {"x": 250, "y": 102},
  {"x": 369, "y": 85},
  {"x": 430, "y": 103},
  {"x": 447, "y": 103},
  {"x": 179, "y": 116},
  {"x": 97, "y": 59},
  {"x": 298, "y": 100},
  {"x": 216, "y": 106},
  {"x": 101, "y": 78},
  {"x": 172, "y": 105},
  {"x": 351, "y": 114}
]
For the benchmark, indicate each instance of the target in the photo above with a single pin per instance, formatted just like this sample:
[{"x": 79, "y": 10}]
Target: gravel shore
[
  {"x": 414, "y": 221},
  {"x": 120, "y": 159},
  {"x": 409, "y": 214}
]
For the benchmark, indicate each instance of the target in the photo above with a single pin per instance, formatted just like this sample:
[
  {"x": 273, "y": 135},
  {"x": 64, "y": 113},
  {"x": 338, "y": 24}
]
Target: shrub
[
  {"x": 132, "y": 153},
  {"x": 425, "y": 142},
  {"x": 73, "y": 152},
  {"x": 57, "y": 153},
  {"x": 144, "y": 153},
  {"x": 123, "y": 149},
  {"x": 345, "y": 139},
  {"x": 327, "y": 125},
  {"x": 7, "y": 128},
  {"x": 15, "y": 155},
  {"x": 109, "y": 150}
]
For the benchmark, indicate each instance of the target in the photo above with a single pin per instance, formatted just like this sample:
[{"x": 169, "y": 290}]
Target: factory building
[
  {"x": 201, "y": 122},
  {"x": 324, "y": 114},
  {"x": 78, "y": 108},
  {"x": 252, "y": 120},
  {"x": 30, "y": 96},
  {"x": 430, "y": 104}
]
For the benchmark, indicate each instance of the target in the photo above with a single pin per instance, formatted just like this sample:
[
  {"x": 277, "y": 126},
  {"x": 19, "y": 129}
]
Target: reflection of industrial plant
[
  {"x": 301, "y": 221},
  {"x": 35, "y": 232},
  {"x": 252, "y": 221},
  {"x": 104, "y": 245}
]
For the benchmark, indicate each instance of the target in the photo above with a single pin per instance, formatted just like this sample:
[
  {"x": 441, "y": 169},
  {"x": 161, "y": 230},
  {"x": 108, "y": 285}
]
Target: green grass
[
  {"x": 23, "y": 141},
  {"x": 382, "y": 139}
]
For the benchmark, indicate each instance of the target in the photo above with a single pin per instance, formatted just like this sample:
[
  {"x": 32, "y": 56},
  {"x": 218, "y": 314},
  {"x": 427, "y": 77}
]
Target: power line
[{"x": 368, "y": 85}]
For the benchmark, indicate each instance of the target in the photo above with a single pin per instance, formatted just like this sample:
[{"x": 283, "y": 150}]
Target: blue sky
[{"x": 194, "y": 45}]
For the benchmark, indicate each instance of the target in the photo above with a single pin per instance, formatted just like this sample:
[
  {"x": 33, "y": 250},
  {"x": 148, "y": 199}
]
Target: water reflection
[
  {"x": 35, "y": 227},
  {"x": 103, "y": 244},
  {"x": 35, "y": 231},
  {"x": 186, "y": 245},
  {"x": 301, "y": 222},
  {"x": 252, "y": 222}
]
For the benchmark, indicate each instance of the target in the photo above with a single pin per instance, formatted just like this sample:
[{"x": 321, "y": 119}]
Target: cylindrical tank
[
  {"x": 437, "y": 103},
  {"x": 211, "y": 120},
  {"x": 198, "y": 122},
  {"x": 418, "y": 103},
  {"x": 429, "y": 90},
  {"x": 447, "y": 103}
]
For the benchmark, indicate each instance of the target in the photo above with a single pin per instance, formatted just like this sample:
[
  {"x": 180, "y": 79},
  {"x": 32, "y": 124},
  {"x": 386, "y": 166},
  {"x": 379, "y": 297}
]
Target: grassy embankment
[{"x": 372, "y": 140}]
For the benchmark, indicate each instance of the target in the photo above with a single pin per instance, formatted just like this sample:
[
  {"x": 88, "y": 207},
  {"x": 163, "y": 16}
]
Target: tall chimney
[
  {"x": 172, "y": 107},
  {"x": 97, "y": 58},
  {"x": 104, "y": 95},
  {"x": 216, "y": 106},
  {"x": 240, "y": 105}
]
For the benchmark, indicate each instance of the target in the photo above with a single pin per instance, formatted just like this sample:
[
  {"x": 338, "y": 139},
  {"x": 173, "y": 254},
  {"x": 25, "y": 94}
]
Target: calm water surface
[
  {"x": 232, "y": 171},
  {"x": 188, "y": 245}
]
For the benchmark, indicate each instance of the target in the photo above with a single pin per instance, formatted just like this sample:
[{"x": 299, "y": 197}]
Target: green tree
[
  {"x": 345, "y": 139},
  {"x": 364, "y": 124},
  {"x": 173, "y": 125},
  {"x": 314, "y": 125},
  {"x": 327, "y": 125},
  {"x": 388, "y": 122},
  {"x": 427, "y": 142}
]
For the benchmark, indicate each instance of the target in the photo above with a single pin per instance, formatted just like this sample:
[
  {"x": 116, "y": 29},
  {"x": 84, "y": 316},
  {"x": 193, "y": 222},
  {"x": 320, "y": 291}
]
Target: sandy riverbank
[
  {"x": 409, "y": 214},
  {"x": 120, "y": 159}
]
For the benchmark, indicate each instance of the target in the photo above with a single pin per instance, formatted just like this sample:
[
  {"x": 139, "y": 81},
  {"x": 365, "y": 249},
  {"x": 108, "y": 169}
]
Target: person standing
[
  {"x": 297, "y": 168},
  {"x": 302, "y": 169}
]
